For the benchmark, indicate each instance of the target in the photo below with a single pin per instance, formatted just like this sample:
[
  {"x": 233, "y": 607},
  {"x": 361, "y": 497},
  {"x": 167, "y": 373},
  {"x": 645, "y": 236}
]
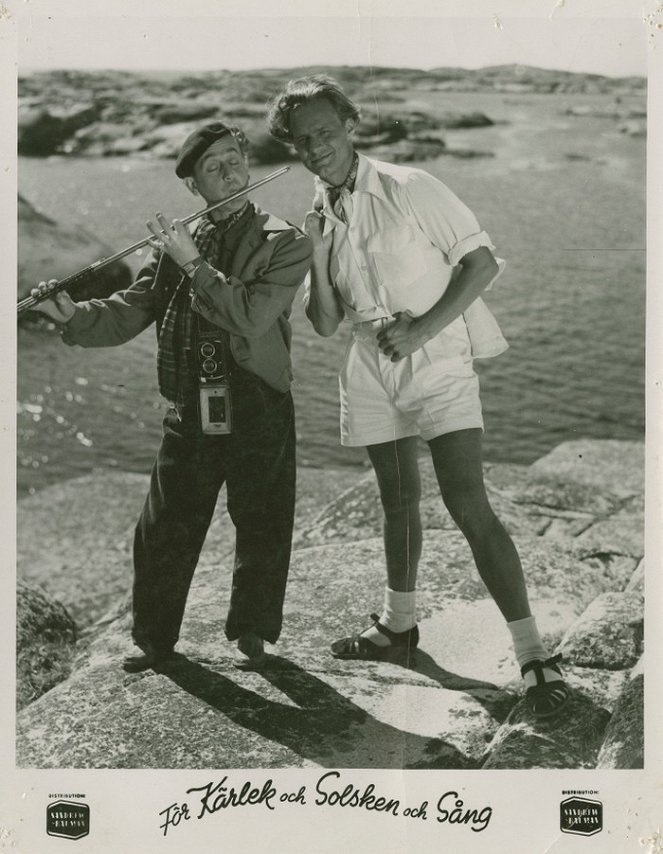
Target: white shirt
[{"x": 406, "y": 231}]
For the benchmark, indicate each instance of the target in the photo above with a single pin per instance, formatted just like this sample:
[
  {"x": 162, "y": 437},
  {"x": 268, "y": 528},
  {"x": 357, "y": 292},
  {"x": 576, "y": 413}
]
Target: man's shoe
[
  {"x": 360, "y": 647},
  {"x": 253, "y": 648},
  {"x": 152, "y": 658}
]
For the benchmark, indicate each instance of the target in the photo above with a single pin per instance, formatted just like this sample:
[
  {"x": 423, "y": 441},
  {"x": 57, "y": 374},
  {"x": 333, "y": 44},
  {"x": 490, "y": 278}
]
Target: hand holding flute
[
  {"x": 60, "y": 307},
  {"x": 173, "y": 238},
  {"x": 177, "y": 240}
]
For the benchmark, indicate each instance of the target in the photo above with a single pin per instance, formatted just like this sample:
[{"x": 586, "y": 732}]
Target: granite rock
[
  {"x": 58, "y": 249},
  {"x": 608, "y": 634},
  {"x": 45, "y": 643},
  {"x": 623, "y": 745},
  {"x": 455, "y": 702},
  {"x": 586, "y": 475}
]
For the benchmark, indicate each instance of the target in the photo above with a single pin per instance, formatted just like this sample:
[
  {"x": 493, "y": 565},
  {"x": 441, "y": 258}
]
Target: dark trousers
[{"x": 257, "y": 464}]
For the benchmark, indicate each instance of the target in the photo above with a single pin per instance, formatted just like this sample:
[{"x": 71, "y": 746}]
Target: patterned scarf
[
  {"x": 334, "y": 192},
  {"x": 175, "y": 365}
]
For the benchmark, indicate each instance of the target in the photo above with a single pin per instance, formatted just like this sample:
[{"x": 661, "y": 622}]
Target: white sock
[
  {"x": 527, "y": 646},
  {"x": 527, "y": 643},
  {"x": 400, "y": 610},
  {"x": 399, "y": 614}
]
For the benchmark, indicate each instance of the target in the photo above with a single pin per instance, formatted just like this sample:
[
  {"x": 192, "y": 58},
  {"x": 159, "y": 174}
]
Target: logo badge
[
  {"x": 581, "y": 816},
  {"x": 68, "y": 819}
]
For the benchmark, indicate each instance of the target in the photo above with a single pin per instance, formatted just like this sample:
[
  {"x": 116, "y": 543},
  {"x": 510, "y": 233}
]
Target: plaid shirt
[{"x": 176, "y": 369}]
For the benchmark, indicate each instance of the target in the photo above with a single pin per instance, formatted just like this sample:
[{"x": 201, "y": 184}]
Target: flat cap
[{"x": 197, "y": 143}]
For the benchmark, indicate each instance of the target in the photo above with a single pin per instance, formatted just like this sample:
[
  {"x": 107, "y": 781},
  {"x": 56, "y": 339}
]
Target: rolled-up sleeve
[
  {"x": 447, "y": 222},
  {"x": 250, "y": 308}
]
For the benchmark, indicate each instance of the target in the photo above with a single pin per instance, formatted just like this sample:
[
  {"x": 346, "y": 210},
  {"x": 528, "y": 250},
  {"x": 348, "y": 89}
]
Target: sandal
[
  {"x": 359, "y": 647},
  {"x": 545, "y": 699}
]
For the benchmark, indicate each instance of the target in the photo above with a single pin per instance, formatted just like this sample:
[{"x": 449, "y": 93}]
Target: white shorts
[{"x": 433, "y": 391}]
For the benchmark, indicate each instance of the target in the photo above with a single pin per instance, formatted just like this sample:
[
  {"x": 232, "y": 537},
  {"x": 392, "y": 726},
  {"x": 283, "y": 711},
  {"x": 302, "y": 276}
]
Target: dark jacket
[{"x": 252, "y": 303}]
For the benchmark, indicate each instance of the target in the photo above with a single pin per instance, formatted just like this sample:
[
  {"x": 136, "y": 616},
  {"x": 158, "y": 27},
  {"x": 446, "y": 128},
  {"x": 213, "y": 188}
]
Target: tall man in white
[{"x": 399, "y": 255}]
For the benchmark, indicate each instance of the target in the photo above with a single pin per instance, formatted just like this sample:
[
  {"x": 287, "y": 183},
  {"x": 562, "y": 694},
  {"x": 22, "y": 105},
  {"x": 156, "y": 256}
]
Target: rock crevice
[{"x": 576, "y": 516}]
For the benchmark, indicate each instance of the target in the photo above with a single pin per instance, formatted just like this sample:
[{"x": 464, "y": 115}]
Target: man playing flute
[{"x": 220, "y": 300}]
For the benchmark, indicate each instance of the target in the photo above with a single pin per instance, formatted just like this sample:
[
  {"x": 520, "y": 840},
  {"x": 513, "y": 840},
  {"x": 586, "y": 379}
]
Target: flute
[{"x": 29, "y": 302}]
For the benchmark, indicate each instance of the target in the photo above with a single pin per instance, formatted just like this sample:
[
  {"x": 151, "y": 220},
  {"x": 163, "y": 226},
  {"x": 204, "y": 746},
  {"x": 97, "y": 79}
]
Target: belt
[{"x": 366, "y": 330}]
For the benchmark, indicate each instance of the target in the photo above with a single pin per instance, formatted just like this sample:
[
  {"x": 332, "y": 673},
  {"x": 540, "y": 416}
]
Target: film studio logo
[
  {"x": 582, "y": 816},
  {"x": 67, "y": 819}
]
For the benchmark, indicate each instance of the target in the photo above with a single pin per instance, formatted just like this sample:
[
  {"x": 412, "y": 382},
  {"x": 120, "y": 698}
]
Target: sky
[{"x": 609, "y": 45}]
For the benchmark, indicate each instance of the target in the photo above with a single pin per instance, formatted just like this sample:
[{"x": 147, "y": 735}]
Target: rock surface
[
  {"x": 608, "y": 634},
  {"x": 623, "y": 746},
  {"x": 43, "y": 129},
  {"x": 44, "y": 244},
  {"x": 113, "y": 113},
  {"x": 45, "y": 640},
  {"x": 456, "y": 702}
]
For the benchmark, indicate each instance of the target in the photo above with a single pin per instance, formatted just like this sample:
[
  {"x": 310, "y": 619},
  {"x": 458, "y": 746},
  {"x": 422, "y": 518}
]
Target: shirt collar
[{"x": 367, "y": 180}]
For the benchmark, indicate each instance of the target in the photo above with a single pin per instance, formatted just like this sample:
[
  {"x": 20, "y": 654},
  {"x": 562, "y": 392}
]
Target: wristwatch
[{"x": 191, "y": 266}]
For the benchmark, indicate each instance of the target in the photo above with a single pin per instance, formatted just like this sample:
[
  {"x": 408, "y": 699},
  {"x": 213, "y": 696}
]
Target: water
[{"x": 564, "y": 201}]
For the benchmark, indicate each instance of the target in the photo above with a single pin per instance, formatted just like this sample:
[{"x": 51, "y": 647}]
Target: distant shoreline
[{"x": 558, "y": 183}]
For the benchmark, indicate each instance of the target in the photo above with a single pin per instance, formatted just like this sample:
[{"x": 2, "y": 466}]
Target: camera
[
  {"x": 215, "y": 411},
  {"x": 211, "y": 363},
  {"x": 214, "y": 390}
]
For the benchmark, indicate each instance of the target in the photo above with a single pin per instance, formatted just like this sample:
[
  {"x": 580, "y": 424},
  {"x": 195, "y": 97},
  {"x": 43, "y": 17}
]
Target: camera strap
[{"x": 217, "y": 243}]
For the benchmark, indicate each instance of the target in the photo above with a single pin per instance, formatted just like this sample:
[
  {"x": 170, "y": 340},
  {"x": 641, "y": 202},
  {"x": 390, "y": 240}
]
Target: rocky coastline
[
  {"x": 119, "y": 113},
  {"x": 114, "y": 114},
  {"x": 576, "y": 515}
]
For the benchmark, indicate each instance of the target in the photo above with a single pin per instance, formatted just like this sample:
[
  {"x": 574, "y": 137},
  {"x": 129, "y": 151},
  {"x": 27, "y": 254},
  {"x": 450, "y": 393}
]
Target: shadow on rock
[
  {"x": 495, "y": 700},
  {"x": 324, "y": 727}
]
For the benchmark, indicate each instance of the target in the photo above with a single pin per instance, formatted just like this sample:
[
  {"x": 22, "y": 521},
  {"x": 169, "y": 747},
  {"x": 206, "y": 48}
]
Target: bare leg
[
  {"x": 458, "y": 466},
  {"x": 397, "y": 472},
  {"x": 457, "y": 461}
]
